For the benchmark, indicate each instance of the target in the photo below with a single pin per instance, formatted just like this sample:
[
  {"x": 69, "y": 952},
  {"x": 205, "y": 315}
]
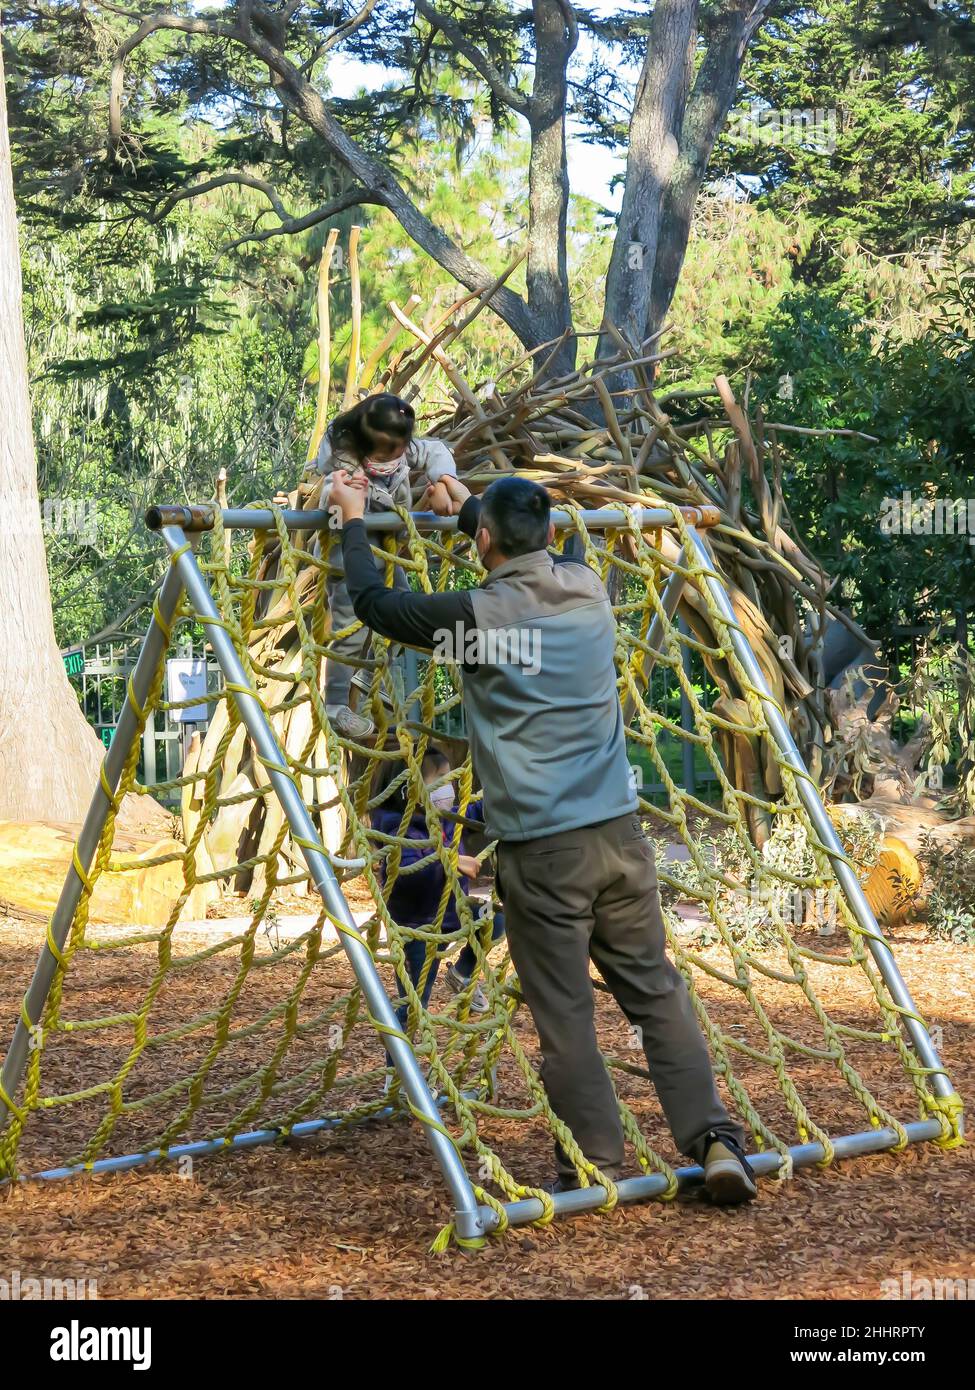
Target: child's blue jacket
[{"x": 414, "y": 898}]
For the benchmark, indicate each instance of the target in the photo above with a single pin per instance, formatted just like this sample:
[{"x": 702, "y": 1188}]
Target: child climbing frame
[{"x": 242, "y": 1040}]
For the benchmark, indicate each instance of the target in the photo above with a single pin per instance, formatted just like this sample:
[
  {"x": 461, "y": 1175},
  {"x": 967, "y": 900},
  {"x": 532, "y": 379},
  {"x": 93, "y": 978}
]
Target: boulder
[{"x": 35, "y": 857}]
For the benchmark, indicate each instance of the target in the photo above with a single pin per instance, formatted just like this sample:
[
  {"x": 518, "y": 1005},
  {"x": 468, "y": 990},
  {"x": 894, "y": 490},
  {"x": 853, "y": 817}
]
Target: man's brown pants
[{"x": 592, "y": 894}]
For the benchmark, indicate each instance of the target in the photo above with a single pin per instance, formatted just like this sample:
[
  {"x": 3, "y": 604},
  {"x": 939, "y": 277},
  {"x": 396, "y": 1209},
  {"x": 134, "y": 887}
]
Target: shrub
[
  {"x": 750, "y": 908},
  {"x": 949, "y": 906}
]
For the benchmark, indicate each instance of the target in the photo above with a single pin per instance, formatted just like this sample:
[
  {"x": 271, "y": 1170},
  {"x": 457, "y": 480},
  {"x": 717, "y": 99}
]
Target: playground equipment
[{"x": 254, "y": 1060}]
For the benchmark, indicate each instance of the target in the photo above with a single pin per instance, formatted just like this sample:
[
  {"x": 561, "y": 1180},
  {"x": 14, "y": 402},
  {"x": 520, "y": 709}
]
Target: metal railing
[{"x": 99, "y": 671}]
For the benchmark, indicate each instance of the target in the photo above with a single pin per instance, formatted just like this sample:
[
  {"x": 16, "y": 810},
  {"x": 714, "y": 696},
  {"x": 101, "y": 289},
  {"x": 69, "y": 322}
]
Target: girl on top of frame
[{"x": 375, "y": 438}]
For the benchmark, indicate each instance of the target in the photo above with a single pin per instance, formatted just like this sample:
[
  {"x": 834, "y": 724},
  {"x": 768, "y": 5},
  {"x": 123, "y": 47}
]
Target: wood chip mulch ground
[{"x": 352, "y": 1214}]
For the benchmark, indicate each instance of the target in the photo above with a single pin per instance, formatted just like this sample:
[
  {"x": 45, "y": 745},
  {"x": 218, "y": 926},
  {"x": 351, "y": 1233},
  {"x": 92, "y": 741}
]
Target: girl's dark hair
[
  {"x": 355, "y": 431},
  {"x": 433, "y": 760}
]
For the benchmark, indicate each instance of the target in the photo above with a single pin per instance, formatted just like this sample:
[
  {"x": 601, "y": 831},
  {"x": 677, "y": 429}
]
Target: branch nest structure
[{"x": 599, "y": 436}]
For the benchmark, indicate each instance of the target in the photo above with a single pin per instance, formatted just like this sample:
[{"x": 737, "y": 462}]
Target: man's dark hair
[{"x": 516, "y": 512}]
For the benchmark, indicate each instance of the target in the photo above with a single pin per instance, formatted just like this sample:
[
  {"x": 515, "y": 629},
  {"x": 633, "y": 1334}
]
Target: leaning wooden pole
[
  {"x": 352, "y": 373},
  {"x": 324, "y": 345},
  {"x": 382, "y": 348}
]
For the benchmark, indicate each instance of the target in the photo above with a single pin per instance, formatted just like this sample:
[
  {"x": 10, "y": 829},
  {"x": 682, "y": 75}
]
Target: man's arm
[
  {"x": 421, "y": 620},
  {"x": 468, "y": 515}
]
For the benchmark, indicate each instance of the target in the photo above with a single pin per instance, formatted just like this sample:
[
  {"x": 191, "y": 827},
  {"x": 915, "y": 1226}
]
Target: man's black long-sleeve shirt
[
  {"x": 536, "y": 644},
  {"x": 416, "y": 619}
]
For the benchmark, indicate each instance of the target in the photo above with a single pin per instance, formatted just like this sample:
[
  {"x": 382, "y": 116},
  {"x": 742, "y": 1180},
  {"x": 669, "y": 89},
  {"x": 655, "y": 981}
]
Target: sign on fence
[{"x": 186, "y": 679}]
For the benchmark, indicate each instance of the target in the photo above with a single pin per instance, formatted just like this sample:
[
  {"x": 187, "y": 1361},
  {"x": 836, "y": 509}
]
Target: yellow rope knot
[{"x": 951, "y": 1110}]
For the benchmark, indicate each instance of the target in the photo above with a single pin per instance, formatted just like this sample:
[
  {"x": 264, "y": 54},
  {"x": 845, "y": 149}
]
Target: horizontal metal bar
[
  {"x": 642, "y": 1189},
  {"x": 200, "y": 518},
  {"x": 201, "y": 1148},
  {"x": 654, "y": 1185}
]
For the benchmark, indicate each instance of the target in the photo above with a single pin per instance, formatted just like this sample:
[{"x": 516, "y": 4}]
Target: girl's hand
[
  {"x": 281, "y": 498},
  {"x": 436, "y": 499},
  {"x": 468, "y": 865}
]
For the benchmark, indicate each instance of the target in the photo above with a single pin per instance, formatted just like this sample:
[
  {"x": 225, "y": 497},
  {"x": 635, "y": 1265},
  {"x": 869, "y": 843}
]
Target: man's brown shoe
[{"x": 728, "y": 1176}]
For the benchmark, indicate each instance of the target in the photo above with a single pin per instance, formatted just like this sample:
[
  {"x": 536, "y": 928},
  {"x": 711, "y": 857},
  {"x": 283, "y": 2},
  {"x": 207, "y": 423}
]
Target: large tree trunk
[
  {"x": 707, "y": 109},
  {"x": 549, "y": 301},
  {"x": 48, "y": 754},
  {"x": 672, "y": 132},
  {"x": 658, "y": 112}
]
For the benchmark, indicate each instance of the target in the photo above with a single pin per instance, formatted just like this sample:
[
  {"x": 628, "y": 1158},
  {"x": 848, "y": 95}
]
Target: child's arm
[
  {"x": 413, "y": 853},
  {"x": 475, "y": 812},
  {"x": 434, "y": 459},
  {"x": 387, "y": 823},
  {"x": 434, "y": 462}
]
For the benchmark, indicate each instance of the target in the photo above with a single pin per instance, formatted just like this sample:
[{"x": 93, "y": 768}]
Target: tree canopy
[{"x": 795, "y": 201}]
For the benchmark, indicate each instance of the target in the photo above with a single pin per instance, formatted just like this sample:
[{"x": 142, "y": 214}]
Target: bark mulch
[{"x": 351, "y": 1214}]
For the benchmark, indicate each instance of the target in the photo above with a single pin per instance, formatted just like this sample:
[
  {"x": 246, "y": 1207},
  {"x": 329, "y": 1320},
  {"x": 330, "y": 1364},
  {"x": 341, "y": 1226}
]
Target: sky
[{"x": 591, "y": 168}]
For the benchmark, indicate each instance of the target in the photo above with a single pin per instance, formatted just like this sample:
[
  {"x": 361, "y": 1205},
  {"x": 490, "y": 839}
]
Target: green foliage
[
  {"x": 143, "y": 386},
  {"x": 949, "y": 878},
  {"x": 917, "y": 399},
  {"x": 157, "y": 355},
  {"x": 740, "y": 266},
  {"x": 944, "y": 686},
  {"x": 894, "y": 161},
  {"x": 749, "y": 899}
]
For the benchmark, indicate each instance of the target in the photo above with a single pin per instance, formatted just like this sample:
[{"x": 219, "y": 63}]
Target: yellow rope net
[{"x": 152, "y": 1037}]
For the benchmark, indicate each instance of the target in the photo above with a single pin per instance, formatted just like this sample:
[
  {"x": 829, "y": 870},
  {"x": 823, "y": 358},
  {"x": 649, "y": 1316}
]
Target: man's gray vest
[{"x": 543, "y": 714}]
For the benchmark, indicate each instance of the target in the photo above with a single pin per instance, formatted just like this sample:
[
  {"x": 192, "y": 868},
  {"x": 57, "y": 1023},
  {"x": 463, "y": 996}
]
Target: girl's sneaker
[
  {"x": 346, "y": 722},
  {"x": 457, "y": 984}
]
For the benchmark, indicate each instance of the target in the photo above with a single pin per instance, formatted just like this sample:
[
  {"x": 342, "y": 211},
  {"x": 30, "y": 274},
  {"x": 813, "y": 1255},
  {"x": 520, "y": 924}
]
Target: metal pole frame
[
  {"x": 127, "y": 730},
  {"x": 470, "y": 1220},
  {"x": 252, "y": 713},
  {"x": 809, "y": 796}
]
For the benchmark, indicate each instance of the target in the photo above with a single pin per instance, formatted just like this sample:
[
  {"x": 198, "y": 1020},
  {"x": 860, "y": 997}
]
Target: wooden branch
[
  {"x": 351, "y": 376},
  {"x": 232, "y": 176},
  {"x": 165, "y": 19},
  {"x": 453, "y": 331},
  {"x": 493, "y": 76},
  {"x": 354, "y": 197},
  {"x": 377, "y": 180},
  {"x": 380, "y": 351},
  {"x": 324, "y": 346},
  {"x": 222, "y": 503},
  {"x": 705, "y": 423},
  {"x": 346, "y": 29}
]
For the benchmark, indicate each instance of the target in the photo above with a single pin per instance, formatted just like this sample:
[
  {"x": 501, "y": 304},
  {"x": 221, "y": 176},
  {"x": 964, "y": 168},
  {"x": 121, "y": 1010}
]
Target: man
[{"x": 576, "y": 872}]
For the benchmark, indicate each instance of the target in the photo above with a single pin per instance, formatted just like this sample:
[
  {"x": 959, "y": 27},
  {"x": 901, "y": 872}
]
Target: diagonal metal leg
[
  {"x": 128, "y": 729},
  {"x": 811, "y": 800},
  {"x": 467, "y": 1222}
]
